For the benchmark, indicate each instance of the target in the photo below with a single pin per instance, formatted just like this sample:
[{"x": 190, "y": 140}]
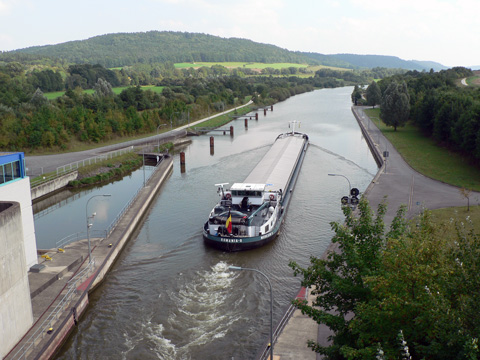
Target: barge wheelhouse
[{"x": 250, "y": 214}]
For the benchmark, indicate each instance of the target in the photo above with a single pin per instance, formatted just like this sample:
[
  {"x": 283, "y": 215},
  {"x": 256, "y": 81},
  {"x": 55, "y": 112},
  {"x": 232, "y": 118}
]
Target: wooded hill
[
  {"x": 370, "y": 61},
  {"x": 124, "y": 49}
]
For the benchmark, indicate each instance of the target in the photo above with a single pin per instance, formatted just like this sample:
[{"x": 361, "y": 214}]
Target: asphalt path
[{"x": 42, "y": 164}]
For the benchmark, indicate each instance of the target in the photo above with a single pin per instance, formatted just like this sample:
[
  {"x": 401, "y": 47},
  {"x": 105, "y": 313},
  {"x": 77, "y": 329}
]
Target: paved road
[{"x": 42, "y": 164}]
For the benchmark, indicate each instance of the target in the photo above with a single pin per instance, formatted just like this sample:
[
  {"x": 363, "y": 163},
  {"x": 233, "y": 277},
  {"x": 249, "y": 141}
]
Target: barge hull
[{"x": 295, "y": 161}]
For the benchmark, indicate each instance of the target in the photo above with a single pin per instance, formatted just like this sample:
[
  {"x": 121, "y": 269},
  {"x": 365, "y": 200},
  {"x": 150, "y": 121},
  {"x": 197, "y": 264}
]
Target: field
[
  {"x": 233, "y": 65},
  {"x": 426, "y": 157},
  {"x": 474, "y": 80}
]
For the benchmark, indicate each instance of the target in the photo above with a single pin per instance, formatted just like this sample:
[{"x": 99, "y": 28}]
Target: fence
[
  {"x": 93, "y": 160},
  {"x": 127, "y": 206},
  {"x": 73, "y": 283},
  {"x": 80, "y": 236},
  {"x": 265, "y": 352},
  {"x": 62, "y": 305}
]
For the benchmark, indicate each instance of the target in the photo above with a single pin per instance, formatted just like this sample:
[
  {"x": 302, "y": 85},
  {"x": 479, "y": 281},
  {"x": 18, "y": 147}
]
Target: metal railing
[
  {"x": 71, "y": 286},
  {"x": 43, "y": 179},
  {"x": 112, "y": 225},
  {"x": 80, "y": 236},
  {"x": 93, "y": 160},
  {"x": 265, "y": 352},
  {"x": 48, "y": 323}
]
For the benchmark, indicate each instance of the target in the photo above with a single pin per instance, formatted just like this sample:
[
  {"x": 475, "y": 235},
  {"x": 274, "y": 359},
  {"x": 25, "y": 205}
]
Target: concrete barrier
[
  {"x": 376, "y": 154},
  {"x": 53, "y": 185},
  {"x": 106, "y": 255}
]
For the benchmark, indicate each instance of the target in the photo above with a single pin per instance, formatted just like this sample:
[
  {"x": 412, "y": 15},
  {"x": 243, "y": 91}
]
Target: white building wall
[
  {"x": 19, "y": 191},
  {"x": 15, "y": 304}
]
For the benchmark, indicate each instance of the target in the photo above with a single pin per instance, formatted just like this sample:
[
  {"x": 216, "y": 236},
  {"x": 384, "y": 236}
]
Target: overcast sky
[{"x": 445, "y": 31}]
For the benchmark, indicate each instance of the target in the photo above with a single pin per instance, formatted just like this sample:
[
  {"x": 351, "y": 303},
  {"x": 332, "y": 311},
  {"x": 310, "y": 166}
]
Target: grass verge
[
  {"x": 470, "y": 218},
  {"x": 423, "y": 155},
  {"x": 225, "y": 119}
]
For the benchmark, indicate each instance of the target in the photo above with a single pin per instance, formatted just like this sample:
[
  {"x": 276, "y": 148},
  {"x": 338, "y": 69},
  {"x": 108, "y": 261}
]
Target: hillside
[
  {"x": 123, "y": 49},
  {"x": 114, "y": 50},
  {"x": 371, "y": 61}
]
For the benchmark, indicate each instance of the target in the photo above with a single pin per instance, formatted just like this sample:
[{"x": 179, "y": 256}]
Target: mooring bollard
[
  {"x": 231, "y": 130},
  {"x": 271, "y": 107},
  {"x": 246, "y": 123},
  {"x": 265, "y": 111},
  {"x": 212, "y": 142},
  {"x": 256, "y": 116},
  {"x": 182, "y": 158}
]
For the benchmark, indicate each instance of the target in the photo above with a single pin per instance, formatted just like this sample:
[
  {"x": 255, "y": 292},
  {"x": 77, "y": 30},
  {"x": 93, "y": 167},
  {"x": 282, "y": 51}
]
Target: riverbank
[{"x": 397, "y": 184}]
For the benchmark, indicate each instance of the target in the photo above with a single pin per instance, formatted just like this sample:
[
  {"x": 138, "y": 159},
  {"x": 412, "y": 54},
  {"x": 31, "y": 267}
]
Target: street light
[
  {"x": 349, "y": 185},
  {"x": 90, "y": 225},
  {"x": 158, "y": 138},
  {"x": 271, "y": 302}
]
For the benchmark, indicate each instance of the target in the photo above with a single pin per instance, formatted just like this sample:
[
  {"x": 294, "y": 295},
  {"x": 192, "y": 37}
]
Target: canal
[{"x": 171, "y": 297}]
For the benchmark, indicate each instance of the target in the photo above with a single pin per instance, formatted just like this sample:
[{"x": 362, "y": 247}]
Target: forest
[
  {"x": 442, "y": 110},
  {"x": 127, "y": 49},
  {"x": 29, "y": 121},
  {"x": 122, "y": 49}
]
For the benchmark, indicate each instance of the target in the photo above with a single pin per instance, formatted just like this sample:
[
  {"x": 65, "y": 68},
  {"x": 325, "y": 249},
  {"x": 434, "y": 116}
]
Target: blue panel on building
[{"x": 12, "y": 167}]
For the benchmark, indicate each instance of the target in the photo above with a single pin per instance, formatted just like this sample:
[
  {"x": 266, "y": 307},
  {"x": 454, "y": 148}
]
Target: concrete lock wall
[
  {"x": 19, "y": 191},
  {"x": 15, "y": 305},
  {"x": 53, "y": 185}
]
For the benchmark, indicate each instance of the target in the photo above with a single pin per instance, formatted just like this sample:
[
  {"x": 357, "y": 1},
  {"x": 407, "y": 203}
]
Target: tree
[
  {"x": 395, "y": 105},
  {"x": 38, "y": 99},
  {"x": 356, "y": 94},
  {"x": 374, "y": 95},
  {"x": 103, "y": 88},
  {"x": 466, "y": 193},
  {"x": 338, "y": 280},
  {"x": 416, "y": 286}
]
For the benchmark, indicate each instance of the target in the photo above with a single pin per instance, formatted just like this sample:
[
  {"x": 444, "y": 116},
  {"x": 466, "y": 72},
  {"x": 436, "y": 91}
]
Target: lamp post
[
  {"x": 158, "y": 138},
  {"x": 349, "y": 185},
  {"x": 271, "y": 302},
  {"x": 89, "y": 225}
]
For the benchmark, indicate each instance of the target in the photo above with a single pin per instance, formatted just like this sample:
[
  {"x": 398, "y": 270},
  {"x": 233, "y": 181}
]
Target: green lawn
[{"x": 427, "y": 158}]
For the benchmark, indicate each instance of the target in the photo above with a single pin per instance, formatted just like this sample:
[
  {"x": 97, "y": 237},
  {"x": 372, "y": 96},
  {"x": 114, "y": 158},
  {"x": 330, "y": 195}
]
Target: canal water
[{"x": 171, "y": 297}]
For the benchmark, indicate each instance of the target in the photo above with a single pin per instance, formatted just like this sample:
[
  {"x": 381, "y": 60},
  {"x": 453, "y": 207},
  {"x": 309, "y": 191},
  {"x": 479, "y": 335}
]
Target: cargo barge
[{"x": 250, "y": 214}]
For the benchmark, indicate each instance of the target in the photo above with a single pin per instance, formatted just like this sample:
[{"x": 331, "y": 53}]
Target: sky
[{"x": 445, "y": 31}]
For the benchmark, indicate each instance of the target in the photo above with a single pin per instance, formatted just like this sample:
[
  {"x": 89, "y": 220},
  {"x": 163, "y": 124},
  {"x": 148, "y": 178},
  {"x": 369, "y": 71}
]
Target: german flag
[{"x": 228, "y": 224}]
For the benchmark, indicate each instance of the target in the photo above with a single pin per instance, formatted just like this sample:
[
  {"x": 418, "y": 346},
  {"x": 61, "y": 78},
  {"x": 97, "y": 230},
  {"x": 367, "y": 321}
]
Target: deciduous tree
[
  {"x": 395, "y": 105},
  {"x": 374, "y": 95}
]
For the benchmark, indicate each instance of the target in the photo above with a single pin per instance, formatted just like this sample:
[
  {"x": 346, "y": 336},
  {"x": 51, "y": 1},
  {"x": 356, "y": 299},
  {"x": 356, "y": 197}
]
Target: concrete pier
[{"x": 60, "y": 290}]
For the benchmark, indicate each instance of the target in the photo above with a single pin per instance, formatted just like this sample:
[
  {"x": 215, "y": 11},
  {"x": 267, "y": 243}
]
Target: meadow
[{"x": 428, "y": 158}]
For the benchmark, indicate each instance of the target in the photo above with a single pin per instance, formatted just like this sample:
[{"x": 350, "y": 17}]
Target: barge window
[{"x": 248, "y": 193}]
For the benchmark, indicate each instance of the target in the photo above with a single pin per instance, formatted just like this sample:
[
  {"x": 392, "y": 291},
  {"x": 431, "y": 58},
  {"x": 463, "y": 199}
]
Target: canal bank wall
[
  {"x": 58, "y": 310},
  {"x": 371, "y": 144},
  {"x": 51, "y": 186},
  {"x": 115, "y": 243},
  {"x": 291, "y": 342}
]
